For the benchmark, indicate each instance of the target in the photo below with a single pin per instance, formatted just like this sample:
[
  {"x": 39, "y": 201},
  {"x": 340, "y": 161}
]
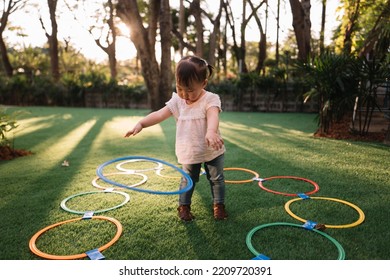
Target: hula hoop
[
  {"x": 341, "y": 252},
  {"x": 358, "y": 222},
  {"x": 36, "y": 251},
  {"x": 316, "y": 187},
  {"x": 189, "y": 185},
  {"x": 119, "y": 166},
  {"x": 241, "y": 181},
  {"x": 158, "y": 172},
  {"x": 63, "y": 203},
  {"x": 145, "y": 178}
]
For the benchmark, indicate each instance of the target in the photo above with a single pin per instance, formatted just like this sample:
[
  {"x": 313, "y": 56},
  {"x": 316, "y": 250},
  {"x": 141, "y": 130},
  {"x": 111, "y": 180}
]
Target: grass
[{"x": 270, "y": 144}]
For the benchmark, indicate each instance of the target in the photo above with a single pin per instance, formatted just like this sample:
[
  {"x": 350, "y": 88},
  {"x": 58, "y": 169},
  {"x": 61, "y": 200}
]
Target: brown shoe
[
  {"x": 219, "y": 212},
  {"x": 184, "y": 212}
]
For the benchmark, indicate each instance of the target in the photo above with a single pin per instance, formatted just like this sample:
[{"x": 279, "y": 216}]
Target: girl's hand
[
  {"x": 136, "y": 129},
  {"x": 214, "y": 140}
]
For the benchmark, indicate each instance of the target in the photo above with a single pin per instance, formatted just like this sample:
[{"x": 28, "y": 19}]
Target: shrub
[{"x": 7, "y": 124}]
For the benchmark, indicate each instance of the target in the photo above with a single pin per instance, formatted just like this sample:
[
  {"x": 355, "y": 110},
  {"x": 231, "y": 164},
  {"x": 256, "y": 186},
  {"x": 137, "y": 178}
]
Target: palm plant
[
  {"x": 332, "y": 79},
  {"x": 372, "y": 74}
]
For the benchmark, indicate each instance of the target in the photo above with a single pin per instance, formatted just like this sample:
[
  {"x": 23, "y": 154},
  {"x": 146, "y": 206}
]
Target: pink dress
[{"x": 191, "y": 128}]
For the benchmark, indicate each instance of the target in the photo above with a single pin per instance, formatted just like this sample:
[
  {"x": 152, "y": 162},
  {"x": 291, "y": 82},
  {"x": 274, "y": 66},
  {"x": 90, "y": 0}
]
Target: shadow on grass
[
  {"x": 36, "y": 202},
  {"x": 270, "y": 144}
]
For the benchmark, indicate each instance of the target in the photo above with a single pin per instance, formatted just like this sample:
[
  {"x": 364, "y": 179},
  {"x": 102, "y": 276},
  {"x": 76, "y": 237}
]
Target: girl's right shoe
[{"x": 184, "y": 212}]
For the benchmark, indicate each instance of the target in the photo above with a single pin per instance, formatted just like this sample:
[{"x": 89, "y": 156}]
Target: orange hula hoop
[{"x": 36, "y": 251}]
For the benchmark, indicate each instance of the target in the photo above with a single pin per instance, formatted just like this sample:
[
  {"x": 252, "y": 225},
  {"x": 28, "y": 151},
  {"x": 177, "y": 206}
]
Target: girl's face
[{"x": 192, "y": 93}]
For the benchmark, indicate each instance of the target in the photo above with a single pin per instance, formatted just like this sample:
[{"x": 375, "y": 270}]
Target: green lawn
[{"x": 270, "y": 144}]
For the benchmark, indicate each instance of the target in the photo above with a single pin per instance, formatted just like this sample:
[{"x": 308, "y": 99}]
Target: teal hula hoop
[
  {"x": 340, "y": 249},
  {"x": 188, "y": 187}
]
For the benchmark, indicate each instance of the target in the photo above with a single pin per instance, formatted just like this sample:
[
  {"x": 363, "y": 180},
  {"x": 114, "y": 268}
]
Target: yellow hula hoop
[
  {"x": 357, "y": 222},
  {"x": 241, "y": 169},
  {"x": 36, "y": 251}
]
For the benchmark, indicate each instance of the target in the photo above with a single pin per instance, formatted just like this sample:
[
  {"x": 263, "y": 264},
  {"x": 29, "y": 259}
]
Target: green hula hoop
[
  {"x": 248, "y": 240},
  {"x": 63, "y": 203}
]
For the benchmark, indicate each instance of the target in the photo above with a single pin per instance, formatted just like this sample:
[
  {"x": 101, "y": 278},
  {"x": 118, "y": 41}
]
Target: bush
[
  {"x": 332, "y": 78},
  {"x": 7, "y": 124}
]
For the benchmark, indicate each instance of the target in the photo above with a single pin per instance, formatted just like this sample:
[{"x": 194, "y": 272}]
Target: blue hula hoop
[{"x": 99, "y": 172}]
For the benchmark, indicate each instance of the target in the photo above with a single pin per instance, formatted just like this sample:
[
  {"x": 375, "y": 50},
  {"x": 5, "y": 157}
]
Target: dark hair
[{"x": 193, "y": 68}]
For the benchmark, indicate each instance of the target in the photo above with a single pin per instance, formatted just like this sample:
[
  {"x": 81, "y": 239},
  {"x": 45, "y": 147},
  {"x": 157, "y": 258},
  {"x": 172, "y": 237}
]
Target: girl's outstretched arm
[{"x": 150, "y": 120}]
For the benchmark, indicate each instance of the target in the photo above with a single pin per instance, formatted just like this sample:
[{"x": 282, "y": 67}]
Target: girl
[{"x": 198, "y": 139}]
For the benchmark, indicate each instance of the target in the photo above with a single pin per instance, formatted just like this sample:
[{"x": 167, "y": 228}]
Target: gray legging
[{"x": 214, "y": 173}]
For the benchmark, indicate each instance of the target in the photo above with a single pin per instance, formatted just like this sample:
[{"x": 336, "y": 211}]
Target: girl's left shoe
[{"x": 219, "y": 211}]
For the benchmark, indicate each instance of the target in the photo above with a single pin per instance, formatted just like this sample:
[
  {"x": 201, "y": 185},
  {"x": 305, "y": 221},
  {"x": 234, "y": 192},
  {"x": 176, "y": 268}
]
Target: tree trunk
[
  {"x": 262, "y": 52},
  {"x": 350, "y": 29},
  {"x": 110, "y": 41},
  {"x": 214, "y": 35},
  {"x": 7, "y": 10},
  {"x": 277, "y": 34},
  {"x": 322, "y": 32},
  {"x": 5, "y": 59},
  {"x": 242, "y": 50},
  {"x": 112, "y": 45},
  {"x": 262, "y": 55},
  {"x": 182, "y": 26},
  {"x": 144, "y": 40},
  {"x": 302, "y": 26},
  {"x": 196, "y": 11},
  {"x": 53, "y": 41},
  {"x": 166, "y": 43},
  {"x": 111, "y": 52}
]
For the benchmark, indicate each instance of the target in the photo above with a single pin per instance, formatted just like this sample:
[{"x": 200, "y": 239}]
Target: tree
[
  {"x": 104, "y": 30},
  {"x": 302, "y": 26},
  {"x": 157, "y": 77},
  {"x": 196, "y": 11},
  {"x": 52, "y": 39},
  {"x": 378, "y": 37},
  {"x": 182, "y": 26},
  {"x": 214, "y": 34},
  {"x": 180, "y": 30},
  {"x": 9, "y": 6},
  {"x": 238, "y": 51},
  {"x": 199, "y": 46},
  {"x": 353, "y": 15},
  {"x": 262, "y": 52},
  {"x": 364, "y": 27},
  {"x": 322, "y": 32},
  {"x": 277, "y": 32}
]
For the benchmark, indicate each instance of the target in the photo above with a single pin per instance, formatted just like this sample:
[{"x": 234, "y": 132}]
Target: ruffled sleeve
[
  {"x": 172, "y": 104},
  {"x": 213, "y": 100}
]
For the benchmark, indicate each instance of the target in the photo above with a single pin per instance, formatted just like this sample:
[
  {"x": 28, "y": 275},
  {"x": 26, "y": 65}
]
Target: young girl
[{"x": 198, "y": 139}]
